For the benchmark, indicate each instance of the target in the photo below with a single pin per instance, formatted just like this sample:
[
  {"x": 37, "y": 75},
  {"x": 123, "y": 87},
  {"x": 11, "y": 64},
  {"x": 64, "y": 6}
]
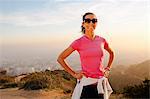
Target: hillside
[{"x": 122, "y": 76}]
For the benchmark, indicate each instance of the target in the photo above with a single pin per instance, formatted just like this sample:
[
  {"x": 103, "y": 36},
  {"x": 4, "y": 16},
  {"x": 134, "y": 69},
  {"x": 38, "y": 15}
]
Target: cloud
[
  {"x": 65, "y": 12},
  {"x": 37, "y": 19},
  {"x": 46, "y": 16}
]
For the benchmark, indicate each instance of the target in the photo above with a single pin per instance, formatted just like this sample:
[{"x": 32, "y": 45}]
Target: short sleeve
[
  {"x": 75, "y": 45},
  {"x": 105, "y": 43}
]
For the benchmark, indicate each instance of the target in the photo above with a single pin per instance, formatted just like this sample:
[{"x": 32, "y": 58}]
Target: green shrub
[
  {"x": 9, "y": 85},
  {"x": 57, "y": 79},
  {"x": 48, "y": 80},
  {"x": 6, "y": 79},
  {"x": 37, "y": 81},
  {"x": 138, "y": 91}
]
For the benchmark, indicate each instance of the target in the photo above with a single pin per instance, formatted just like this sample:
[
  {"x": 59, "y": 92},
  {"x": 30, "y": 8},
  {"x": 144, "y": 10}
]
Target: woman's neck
[{"x": 90, "y": 35}]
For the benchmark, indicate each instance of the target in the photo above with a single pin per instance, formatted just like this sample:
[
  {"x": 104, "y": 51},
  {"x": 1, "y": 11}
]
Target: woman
[{"x": 89, "y": 47}]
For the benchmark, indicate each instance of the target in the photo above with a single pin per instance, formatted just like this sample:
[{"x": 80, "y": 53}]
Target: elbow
[
  {"x": 60, "y": 59},
  {"x": 111, "y": 53}
]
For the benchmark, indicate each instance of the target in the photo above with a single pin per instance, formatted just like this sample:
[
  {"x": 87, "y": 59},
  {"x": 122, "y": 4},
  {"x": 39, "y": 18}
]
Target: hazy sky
[{"x": 48, "y": 26}]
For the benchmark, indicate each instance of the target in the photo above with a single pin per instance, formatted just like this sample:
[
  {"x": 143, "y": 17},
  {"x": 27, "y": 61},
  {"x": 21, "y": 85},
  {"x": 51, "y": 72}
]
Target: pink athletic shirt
[{"x": 91, "y": 54}]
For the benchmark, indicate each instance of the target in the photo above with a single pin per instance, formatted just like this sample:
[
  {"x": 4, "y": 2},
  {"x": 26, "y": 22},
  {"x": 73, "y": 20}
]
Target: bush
[
  {"x": 48, "y": 80},
  {"x": 9, "y": 85},
  {"x": 57, "y": 79},
  {"x": 138, "y": 91},
  {"x": 6, "y": 79},
  {"x": 37, "y": 81}
]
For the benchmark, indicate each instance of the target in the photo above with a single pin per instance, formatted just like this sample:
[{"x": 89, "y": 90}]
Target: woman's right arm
[{"x": 61, "y": 60}]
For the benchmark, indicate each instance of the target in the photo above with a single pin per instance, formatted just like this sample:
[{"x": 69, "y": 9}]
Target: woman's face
[{"x": 90, "y": 23}]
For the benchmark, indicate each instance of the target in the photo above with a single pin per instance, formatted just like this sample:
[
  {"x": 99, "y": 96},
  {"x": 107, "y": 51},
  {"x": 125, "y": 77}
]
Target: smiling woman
[{"x": 89, "y": 46}]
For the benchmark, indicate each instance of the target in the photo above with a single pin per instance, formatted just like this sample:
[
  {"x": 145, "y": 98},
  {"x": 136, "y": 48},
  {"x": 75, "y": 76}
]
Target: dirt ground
[{"x": 14, "y": 93}]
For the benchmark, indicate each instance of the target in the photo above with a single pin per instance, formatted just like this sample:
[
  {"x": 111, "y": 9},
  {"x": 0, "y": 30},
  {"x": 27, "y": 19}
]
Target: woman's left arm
[{"x": 111, "y": 56}]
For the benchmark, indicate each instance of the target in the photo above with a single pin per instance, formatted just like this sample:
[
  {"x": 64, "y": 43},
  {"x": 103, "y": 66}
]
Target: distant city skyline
[{"x": 46, "y": 27}]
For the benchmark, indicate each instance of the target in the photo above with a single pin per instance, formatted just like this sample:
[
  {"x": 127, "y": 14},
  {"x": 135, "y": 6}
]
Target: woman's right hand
[{"x": 78, "y": 75}]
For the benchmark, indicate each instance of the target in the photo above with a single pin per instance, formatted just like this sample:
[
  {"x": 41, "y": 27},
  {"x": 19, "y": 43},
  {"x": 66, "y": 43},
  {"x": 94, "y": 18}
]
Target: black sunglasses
[{"x": 89, "y": 20}]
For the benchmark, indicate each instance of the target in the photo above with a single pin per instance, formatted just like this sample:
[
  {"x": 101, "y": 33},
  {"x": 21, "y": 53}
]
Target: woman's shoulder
[
  {"x": 79, "y": 38},
  {"x": 100, "y": 37},
  {"x": 75, "y": 43}
]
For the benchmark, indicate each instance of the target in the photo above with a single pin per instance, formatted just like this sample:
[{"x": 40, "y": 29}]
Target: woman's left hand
[{"x": 106, "y": 72}]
